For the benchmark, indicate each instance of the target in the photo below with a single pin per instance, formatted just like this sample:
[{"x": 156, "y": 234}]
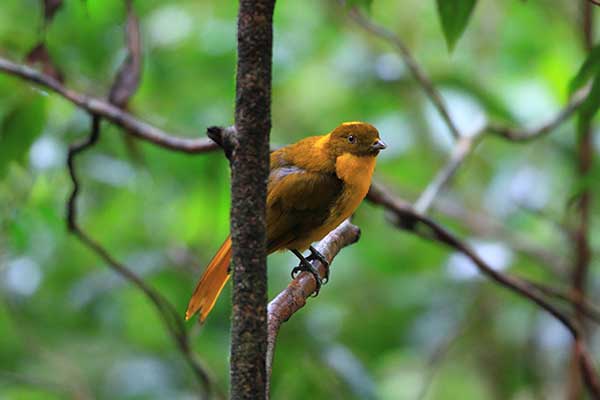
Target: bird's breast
[{"x": 356, "y": 173}]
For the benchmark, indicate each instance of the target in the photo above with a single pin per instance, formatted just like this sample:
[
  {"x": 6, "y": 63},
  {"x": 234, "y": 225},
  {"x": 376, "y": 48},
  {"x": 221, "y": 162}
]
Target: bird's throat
[{"x": 355, "y": 171}]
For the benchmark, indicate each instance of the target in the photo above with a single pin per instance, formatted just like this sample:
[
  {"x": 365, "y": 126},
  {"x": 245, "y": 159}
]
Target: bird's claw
[
  {"x": 308, "y": 267},
  {"x": 316, "y": 255}
]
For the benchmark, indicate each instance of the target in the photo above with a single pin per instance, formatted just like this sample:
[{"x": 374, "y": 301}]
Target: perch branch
[{"x": 293, "y": 298}]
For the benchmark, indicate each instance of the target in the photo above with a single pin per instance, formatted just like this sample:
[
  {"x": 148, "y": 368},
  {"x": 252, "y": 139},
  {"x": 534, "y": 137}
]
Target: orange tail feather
[{"x": 212, "y": 282}]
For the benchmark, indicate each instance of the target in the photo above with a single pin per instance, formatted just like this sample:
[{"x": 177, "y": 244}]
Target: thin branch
[
  {"x": 115, "y": 115},
  {"x": 462, "y": 148},
  {"x": 407, "y": 218},
  {"x": 169, "y": 315},
  {"x": 525, "y": 135},
  {"x": 294, "y": 297},
  {"x": 466, "y": 144},
  {"x": 417, "y": 71}
]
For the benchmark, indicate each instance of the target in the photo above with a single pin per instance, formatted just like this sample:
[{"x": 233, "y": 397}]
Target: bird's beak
[{"x": 378, "y": 145}]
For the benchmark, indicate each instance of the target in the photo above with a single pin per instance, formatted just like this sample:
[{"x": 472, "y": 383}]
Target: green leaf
[
  {"x": 588, "y": 69},
  {"x": 590, "y": 106},
  {"x": 454, "y": 16},
  {"x": 19, "y": 128}
]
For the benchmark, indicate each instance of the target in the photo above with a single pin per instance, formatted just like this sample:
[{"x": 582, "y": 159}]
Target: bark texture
[{"x": 250, "y": 168}]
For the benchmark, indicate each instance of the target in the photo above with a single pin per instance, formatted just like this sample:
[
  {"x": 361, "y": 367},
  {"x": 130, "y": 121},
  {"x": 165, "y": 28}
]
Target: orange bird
[{"x": 313, "y": 186}]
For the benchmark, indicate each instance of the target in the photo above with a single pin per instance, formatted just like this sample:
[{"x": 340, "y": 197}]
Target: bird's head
[{"x": 357, "y": 138}]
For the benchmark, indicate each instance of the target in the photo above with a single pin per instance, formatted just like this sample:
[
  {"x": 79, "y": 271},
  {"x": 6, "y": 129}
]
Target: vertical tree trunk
[{"x": 250, "y": 168}]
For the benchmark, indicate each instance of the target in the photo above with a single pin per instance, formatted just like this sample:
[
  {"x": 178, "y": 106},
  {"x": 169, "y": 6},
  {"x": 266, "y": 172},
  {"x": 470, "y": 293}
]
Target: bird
[{"x": 313, "y": 186}]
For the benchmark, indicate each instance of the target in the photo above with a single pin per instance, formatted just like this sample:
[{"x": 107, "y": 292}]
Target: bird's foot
[
  {"x": 316, "y": 255},
  {"x": 305, "y": 265}
]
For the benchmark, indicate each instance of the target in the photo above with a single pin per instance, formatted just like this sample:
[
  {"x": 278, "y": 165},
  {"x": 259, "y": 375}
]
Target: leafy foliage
[{"x": 70, "y": 328}]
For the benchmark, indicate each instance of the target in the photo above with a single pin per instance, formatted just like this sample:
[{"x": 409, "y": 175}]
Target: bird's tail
[{"x": 212, "y": 282}]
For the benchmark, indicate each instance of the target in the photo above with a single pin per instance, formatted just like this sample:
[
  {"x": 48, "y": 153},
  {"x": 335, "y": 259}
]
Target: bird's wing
[{"x": 298, "y": 202}]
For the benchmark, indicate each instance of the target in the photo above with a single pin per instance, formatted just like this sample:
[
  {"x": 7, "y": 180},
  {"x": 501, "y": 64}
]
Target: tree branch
[
  {"x": 115, "y": 115},
  {"x": 407, "y": 218},
  {"x": 465, "y": 145},
  {"x": 294, "y": 297}
]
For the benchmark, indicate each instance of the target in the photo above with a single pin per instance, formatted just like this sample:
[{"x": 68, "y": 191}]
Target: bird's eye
[{"x": 351, "y": 139}]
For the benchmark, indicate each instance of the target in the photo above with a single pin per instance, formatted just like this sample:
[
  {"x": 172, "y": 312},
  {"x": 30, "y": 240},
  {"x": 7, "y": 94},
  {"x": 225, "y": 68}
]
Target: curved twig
[{"x": 169, "y": 315}]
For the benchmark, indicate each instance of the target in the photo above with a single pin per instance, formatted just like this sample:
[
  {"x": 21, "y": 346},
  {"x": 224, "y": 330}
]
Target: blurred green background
[{"x": 402, "y": 318}]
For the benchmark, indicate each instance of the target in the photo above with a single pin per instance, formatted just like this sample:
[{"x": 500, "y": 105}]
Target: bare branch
[
  {"x": 417, "y": 71},
  {"x": 466, "y": 144},
  {"x": 128, "y": 122},
  {"x": 293, "y": 298},
  {"x": 408, "y": 218}
]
